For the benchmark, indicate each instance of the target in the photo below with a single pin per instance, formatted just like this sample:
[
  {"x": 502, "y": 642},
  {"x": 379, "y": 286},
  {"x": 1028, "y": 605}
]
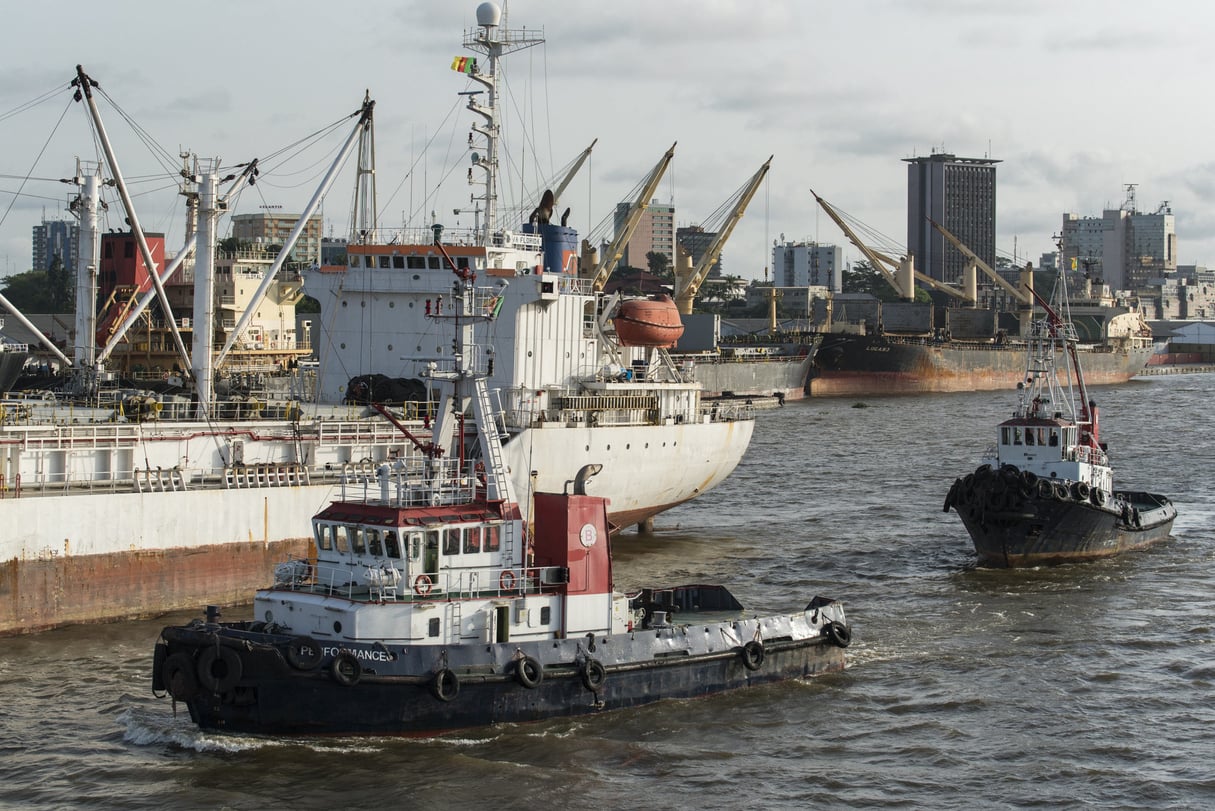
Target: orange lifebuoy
[
  {"x": 422, "y": 585},
  {"x": 506, "y": 581}
]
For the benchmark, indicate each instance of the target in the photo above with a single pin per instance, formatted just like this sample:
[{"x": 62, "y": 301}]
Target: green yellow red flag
[{"x": 464, "y": 64}]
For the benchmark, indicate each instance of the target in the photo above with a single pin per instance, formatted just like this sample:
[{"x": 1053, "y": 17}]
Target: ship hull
[
  {"x": 786, "y": 376},
  {"x": 396, "y": 690},
  {"x": 91, "y": 554},
  {"x": 1015, "y": 525},
  {"x": 852, "y": 366}
]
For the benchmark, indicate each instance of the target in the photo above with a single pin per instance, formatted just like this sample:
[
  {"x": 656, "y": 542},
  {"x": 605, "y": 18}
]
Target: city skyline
[{"x": 840, "y": 94}]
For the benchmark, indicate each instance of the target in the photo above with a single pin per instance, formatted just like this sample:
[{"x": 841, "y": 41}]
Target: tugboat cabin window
[
  {"x": 451, "y": 542},
  {"x": 416, "y": 262},
  {"x": 383, "y": 262},
  {"x": 398, "y": 262},
  {"x": 1016, "y": 436},
  {"x": 324, "y": 537},
  {"x": 391, "y": 548},
  {"x": 492, "y": 539},
  {"x": 358, "y": 543},
  {"x": 374, "y": 546},
  {"x": 339, "y": 540},
  {"x": 433, "y": 629},
  {"x": 472, "y": 540},
  {"x": 1054, "y": 437}
]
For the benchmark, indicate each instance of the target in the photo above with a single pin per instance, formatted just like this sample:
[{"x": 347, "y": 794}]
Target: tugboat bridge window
[{"x": 391, "y": 548}]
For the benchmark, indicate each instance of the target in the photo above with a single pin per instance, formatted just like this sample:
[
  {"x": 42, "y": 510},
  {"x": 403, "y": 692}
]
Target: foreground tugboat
[
  {"x": 431, "y": 606},
  {"x": 1046, "y": 495}
]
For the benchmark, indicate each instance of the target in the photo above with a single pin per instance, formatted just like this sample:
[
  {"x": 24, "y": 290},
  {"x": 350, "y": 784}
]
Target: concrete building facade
[
  {"x": 266, "y": 228},
  {"x": 960, "y": 194},
  {"x": 1125, "y": 248},
  {"x": 55, "y": 239},
  {"x": 655, "y": 231},
  {"x": 808, "y": 264}
]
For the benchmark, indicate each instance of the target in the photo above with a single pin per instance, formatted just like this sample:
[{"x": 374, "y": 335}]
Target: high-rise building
[
  {"x": 1123, "y": 247},
  {"x": 267, "y": 228},
  {"x": 960, "y": 194},
  {"x": 655, "y": 232},
  {"x": 805, "y": 264},
  {"x": 696, "y": 241},
  {"x": 55, "y": 239}
]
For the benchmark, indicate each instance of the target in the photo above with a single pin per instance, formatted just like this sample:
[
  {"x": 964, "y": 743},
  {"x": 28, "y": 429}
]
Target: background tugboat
[
  {"x": 431, "y": 605},
  {"x": 1046, "y": 494}
]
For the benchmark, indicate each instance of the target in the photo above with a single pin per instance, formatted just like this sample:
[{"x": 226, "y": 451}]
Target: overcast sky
[{"x": 1076, "y": 99}]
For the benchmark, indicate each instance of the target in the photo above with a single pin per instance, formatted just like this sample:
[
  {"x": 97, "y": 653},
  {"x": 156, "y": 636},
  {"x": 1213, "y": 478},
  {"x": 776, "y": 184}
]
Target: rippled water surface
[{"x": 1083, "y": 686}]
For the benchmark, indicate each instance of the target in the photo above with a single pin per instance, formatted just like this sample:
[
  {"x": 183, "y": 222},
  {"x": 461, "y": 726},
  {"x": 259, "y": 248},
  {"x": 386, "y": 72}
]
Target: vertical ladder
[{"x": 498, "y": 484}]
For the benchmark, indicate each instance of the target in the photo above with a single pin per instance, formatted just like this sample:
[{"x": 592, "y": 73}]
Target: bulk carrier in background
[{"x": 907, "y": 347}]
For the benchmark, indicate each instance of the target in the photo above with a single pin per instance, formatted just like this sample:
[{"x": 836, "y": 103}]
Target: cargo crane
[
  {"x": 899, "y": 273},
  {"x": 689, "y": 279},
  {"x": 973, "y": 262},
  {"x": 598, "y": 270}
]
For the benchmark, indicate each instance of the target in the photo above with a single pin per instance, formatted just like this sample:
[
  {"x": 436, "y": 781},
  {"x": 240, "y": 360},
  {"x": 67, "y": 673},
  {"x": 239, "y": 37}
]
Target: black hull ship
[
  {"x": 1046, "y": 496},
  {"x": 429, "y": 605}
]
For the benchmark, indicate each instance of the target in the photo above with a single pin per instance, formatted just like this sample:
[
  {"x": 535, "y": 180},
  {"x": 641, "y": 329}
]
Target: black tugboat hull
[
  {"x": 268, "y": 695},
  {"x": 1015, "y": 526}
]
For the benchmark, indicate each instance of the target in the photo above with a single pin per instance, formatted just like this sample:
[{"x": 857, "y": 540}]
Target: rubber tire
[
  {"x": 230, "y": 665},
  {"x": 529, "y": 672},
  {"x": 594, "y": 674},
  {"x": 838, "y": 634},
  {"x": 445, "y": 686},
  {"x": 179, "y": 678},
  {"x": 752, "y": 655},
  {"x": 299, "y": 659},
  {"x": 346, "y": 669}
]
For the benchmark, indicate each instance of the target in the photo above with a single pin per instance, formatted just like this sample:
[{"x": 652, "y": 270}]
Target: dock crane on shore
[
  {"x": 599, "y": 269},
  {"x": 899, "y": 273},
  {"x": 689, "y": 279}
]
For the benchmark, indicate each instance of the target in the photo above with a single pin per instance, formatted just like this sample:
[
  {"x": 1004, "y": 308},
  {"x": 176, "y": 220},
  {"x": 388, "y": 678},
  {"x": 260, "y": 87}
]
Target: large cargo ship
[
  {"x": 976, "y": 350},
  {"x": 755, "y": 360},
  {"x": 114, "y": 514}
]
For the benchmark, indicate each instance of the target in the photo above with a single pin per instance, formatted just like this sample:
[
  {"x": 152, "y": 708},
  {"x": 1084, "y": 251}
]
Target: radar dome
[{"x": 489, "y": 15}]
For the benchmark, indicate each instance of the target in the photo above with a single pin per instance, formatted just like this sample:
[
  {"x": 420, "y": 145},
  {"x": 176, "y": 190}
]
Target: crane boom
[
  {"x": 600, "y": 273},
  {"x": 980, "y": 264},
  {"x": 688, "y": 285},
  {"x": 565, "y": 181},
  {"x": 878, "y": 261}
]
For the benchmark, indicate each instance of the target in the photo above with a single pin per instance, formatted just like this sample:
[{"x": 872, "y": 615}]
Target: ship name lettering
[{"x": 367, "y": 655}]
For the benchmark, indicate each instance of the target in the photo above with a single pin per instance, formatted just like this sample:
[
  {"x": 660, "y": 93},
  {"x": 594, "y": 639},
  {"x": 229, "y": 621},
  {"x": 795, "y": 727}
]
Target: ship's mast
[
  {"x": 364, "y": 215},
  {"x": 495, "y": 40}
]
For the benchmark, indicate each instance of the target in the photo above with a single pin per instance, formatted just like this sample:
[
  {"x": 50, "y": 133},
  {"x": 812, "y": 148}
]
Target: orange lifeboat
[{"x": 648, "y": 322}]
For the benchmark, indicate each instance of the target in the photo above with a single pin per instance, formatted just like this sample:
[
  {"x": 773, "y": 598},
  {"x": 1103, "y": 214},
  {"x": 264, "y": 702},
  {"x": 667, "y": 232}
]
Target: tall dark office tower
[{"x": 960, "y": 194}]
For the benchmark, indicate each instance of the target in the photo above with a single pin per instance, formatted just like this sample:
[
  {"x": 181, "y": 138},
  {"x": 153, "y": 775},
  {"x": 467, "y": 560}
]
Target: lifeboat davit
[{"x": 648, "y": 322}]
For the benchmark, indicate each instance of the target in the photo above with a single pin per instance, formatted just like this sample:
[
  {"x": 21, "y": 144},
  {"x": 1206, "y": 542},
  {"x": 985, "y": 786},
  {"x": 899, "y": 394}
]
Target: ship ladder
[{"x": 497, "y": 485}]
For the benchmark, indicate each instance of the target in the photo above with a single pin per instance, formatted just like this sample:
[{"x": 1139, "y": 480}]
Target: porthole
[
  {"x": 362, "y": 303},
  {"x": 609, "y": 447},
  {"x": 588, "y": 447},
  {"x": 391, "y": 304},
  {"x": 390, "y": 347},
  {"x": 343, "y": 303},
  {"x": 343, "y": 346},
  {"x": 337, "y": 627}
]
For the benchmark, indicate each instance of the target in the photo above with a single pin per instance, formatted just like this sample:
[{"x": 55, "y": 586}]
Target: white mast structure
[{"x": 495, "y": 41}]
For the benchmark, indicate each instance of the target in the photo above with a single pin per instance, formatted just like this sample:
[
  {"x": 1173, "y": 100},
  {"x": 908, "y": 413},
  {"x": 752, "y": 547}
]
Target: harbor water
[{"x": 1077, "y": 686}]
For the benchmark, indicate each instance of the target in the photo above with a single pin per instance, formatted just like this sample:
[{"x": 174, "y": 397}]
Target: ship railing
[
  {"x": 728, "y": 411},
  {"x": 355, "y": 579},
  {"x": 243, "y": 477},
  {"x": 160, "y": 480}
]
